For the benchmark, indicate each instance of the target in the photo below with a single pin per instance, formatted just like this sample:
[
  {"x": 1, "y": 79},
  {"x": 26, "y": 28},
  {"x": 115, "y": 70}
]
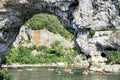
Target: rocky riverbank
[
  {"x": 112, "y": 68},
  {"x": 34, "y": 65},
  {"x": 59, "y": 64},
  {"x": 103, "y": 69}
]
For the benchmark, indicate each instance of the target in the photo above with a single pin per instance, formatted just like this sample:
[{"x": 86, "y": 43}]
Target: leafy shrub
[
  {"x": 92, "y": 33},
  {"x": 4, "y": 75},
  {"x": 49, "y": 22},
  {"x": 95, "y": 12},
  {"x": 118, "y": 6},
  {"x": 55, "y": 53},
  {"x": 25, "y": 56},
  {"x": 114, "y": 57},
  {"x": 20, "y": 55},
  {"x": 12, "y": 56}
]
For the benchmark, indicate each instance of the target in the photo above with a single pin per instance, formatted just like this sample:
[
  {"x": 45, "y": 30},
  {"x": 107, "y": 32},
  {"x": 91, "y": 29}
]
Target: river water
[{"x": 48, "y": 73}]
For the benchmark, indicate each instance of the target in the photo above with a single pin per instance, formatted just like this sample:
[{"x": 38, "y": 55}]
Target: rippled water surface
[{"x": 48, "y": 73}]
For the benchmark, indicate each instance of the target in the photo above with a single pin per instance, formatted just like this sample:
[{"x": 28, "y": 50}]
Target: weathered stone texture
[
  {"x": 94, "y": 23},
  {"x": 28, "y": 37}
]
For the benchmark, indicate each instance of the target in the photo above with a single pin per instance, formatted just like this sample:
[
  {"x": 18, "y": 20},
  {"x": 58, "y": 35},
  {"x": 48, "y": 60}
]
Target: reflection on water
[{"x": 43, "y": 73}]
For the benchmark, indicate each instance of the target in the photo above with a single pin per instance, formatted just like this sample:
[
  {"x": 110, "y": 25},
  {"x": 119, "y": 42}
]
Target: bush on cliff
[
  {"x": 114, "y": 57},
  {"x": 53, "y": 54},
  {"x": 49, "y": 22},
  {"x": 20, "y": 55}
]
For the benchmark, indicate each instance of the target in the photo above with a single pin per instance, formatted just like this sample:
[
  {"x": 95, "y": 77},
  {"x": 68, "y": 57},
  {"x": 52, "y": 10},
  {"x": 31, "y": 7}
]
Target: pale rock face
[
  {"x": 101, "y": 16},
  {"x": 93, "y": 22},
  {"x": 44, "y": 37}
]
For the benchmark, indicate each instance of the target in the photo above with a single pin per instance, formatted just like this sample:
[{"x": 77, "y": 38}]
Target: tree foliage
[
  {"x": 114, "y": 57},
  {"x": 55, "y": 53},
  {"x": 49, "y": 22}
]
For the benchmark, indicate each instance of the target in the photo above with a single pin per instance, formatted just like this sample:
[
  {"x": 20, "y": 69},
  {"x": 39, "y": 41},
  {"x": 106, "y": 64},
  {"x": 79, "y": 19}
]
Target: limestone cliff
[
  {"x": 95, "y": 23},
  {"x": 28, "y": 37}
]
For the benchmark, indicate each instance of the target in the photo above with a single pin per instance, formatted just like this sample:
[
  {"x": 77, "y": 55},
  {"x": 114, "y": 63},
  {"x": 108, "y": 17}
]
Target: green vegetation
[
  {"x": 114, "y": 57},
  {"x": 118, "y": 5},
  {"x": 113, "y": 16},
  {"x": 53, "y": 54},
  {"x": 95, "y": 12},
  {"x": 49, "y": 22},
  {"x": 92, "y": 32},
  {"x": 4, "y": 75}
]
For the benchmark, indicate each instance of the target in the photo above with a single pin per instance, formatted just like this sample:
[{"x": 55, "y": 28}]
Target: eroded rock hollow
[{"x": 94, "y": 23}]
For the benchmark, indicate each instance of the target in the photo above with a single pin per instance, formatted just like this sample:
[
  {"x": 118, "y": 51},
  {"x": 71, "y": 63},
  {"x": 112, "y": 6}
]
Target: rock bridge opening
[
  {"x": 95, "y": 23},
  {"x": 43, "y": 29},
  {"x": 14, "y": 13},
  {"x": 46, "y": 40}
]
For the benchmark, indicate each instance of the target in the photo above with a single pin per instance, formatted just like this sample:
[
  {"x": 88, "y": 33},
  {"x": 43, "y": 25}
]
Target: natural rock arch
[
  {"x": 91, "y": 21},
  {"x": 14, "y": 13}
]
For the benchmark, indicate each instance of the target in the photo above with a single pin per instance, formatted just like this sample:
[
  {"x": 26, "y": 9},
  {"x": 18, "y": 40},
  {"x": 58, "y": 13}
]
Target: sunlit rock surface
[
  {"x": 94, "y": 23},
  {"x": 28, "y": 37}
]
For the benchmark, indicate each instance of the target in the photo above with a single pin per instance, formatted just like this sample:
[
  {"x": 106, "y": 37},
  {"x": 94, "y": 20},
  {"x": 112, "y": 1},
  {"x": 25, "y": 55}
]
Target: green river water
[{"x": 42, "y": 73}]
